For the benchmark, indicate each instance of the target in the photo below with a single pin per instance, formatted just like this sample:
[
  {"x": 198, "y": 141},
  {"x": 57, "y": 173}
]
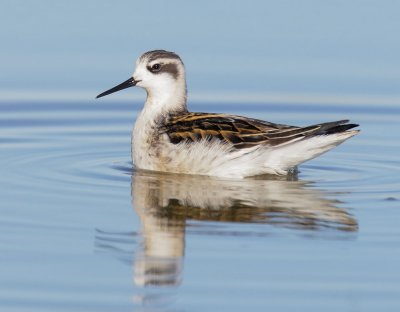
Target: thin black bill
[{"x": 126, "y": 84}]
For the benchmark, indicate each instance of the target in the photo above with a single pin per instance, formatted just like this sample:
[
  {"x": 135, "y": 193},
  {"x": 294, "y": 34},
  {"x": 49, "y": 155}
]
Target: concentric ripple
[
  {"x": 71, "y": 199},
  {"x": 77, "y": 144}
]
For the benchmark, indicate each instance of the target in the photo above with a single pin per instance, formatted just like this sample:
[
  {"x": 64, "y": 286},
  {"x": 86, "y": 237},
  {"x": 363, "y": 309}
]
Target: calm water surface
[{"x": 82, "y": 231}]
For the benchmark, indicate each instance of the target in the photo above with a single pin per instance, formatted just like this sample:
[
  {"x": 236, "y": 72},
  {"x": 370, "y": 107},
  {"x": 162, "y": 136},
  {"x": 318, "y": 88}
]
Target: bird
[{"x": 168, "y": 138}]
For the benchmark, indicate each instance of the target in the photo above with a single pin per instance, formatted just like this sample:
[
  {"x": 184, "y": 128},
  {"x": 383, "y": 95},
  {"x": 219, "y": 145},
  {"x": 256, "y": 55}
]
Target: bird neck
[{"x": 163, "y": 101}]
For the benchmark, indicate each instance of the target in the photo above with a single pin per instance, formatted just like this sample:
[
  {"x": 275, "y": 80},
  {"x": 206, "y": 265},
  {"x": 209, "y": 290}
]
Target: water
[{"x": 82, "y": 231}]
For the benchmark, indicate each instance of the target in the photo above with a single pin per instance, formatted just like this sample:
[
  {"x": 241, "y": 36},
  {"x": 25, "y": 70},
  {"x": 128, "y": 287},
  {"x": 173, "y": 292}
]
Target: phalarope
[{"x": 167, "y": 137}]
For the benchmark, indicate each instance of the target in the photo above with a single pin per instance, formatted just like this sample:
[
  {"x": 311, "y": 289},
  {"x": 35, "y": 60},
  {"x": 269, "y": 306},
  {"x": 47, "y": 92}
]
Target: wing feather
[{"x": 242, "y": 132}]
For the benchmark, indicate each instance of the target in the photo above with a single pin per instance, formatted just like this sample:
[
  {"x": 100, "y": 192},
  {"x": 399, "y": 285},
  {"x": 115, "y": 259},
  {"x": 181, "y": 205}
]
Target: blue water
[{"x": 81, "y": 230}]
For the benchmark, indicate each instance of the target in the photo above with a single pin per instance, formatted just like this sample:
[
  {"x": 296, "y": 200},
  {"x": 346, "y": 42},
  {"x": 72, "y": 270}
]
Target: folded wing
[{"x": 241, "y": 132}]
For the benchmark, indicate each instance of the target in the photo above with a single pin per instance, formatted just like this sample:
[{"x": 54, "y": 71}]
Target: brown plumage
[
  {"x": 166, "y": 137},
  {"x": 242, "y": 132}
]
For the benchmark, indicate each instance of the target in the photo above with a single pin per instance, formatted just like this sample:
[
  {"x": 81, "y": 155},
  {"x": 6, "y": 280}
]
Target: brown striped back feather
[{"x": 242, "y": 132}]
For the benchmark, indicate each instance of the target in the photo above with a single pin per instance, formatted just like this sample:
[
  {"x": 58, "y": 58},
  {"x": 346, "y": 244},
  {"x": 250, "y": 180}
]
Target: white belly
[{"x": 203, "y": 157}]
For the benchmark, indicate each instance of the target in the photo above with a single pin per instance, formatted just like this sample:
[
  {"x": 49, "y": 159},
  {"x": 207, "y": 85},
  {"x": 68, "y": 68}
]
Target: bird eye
[{"x": 156, "y": 67}]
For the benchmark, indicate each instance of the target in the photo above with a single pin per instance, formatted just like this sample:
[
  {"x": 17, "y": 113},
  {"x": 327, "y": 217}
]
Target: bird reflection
[
  {"x": 166, "y": 202},
  {"x": 170, "y": 205}
]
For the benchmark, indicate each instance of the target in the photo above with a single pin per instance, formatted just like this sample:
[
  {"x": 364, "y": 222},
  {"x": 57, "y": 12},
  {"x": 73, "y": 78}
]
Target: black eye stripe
[{"x": 169, "y": 68}]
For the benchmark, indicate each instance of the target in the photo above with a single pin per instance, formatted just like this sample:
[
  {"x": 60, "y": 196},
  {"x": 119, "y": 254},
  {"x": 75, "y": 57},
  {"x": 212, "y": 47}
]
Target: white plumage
[{"x": 166, "y": 137}]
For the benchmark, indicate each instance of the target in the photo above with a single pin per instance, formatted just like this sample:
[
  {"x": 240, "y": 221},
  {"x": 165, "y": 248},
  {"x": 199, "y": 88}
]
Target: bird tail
[{"x": 328, "y": 136}]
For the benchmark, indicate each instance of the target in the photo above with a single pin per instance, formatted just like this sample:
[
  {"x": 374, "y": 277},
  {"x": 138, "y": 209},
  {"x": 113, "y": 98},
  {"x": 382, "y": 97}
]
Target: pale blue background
[
  {"x": 69, "y": 235},
  {"x": 338, "y": 47}
]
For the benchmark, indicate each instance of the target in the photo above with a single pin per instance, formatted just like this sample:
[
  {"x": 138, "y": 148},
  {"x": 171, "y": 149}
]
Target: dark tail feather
[
  {"x": 335, "y": 127},
  {"x": 341, "y": 128}
]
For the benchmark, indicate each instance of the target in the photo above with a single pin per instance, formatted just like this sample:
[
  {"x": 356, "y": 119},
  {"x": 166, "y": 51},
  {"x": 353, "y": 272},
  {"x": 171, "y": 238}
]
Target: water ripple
[{"x": 82, "y": 145}]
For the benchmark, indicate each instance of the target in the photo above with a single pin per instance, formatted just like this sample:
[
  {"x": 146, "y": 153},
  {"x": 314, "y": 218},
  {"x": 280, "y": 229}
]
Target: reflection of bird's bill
[
  {"x": 174, "y": 198},
  {"x": 165, "y": 201}
]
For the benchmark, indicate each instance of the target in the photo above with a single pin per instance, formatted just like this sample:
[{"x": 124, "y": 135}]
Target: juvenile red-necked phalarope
[{"x": 167, "y": 137}]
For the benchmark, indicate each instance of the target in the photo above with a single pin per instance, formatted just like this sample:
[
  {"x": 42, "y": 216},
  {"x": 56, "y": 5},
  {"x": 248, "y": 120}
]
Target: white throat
[{"x": 165, "y": 98}]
